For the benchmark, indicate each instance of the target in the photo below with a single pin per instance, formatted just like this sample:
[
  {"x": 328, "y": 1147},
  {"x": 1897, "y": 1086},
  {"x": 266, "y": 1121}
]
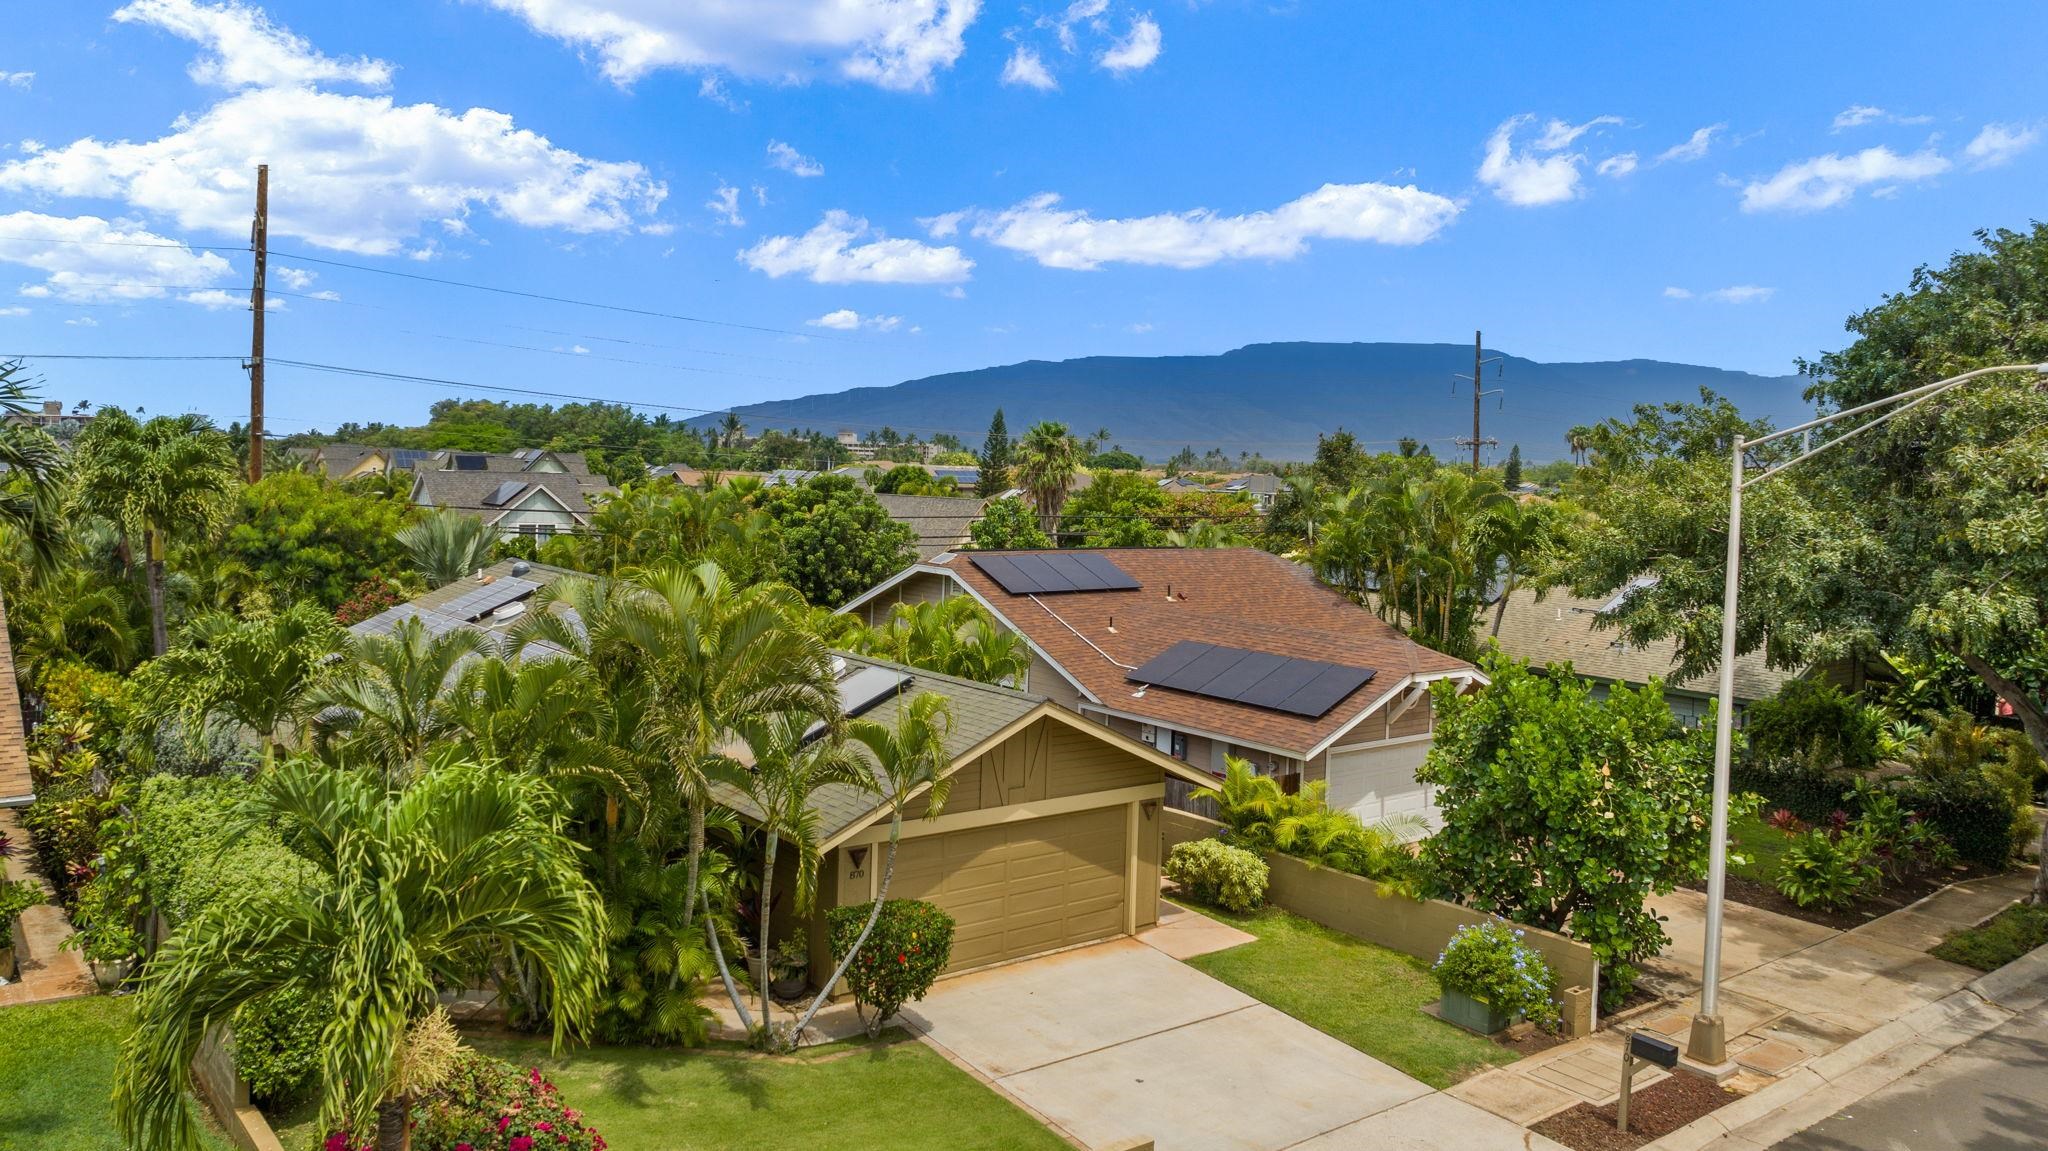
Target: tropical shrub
[
  {"x": 368, "y": 598},
  {"x": 1823, "y": 868},
  {"x": 277, "y": 1044},
  {"x": 17, "y": 896},
  {"x": 1214, "y": 872},
  {"x": 910, "y": 945},
  {"x": 1489, "y": 962},
  {"x": 1263, "y": 817},
  {"x": 1566, "y": 812},
  {"x": 1814, "y": 722},
  {"x": 486, "y": 1104}
]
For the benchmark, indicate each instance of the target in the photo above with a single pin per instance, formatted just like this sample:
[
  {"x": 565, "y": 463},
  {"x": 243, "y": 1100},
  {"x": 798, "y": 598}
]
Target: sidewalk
[
  {"x": 1795, "y": 996},
  {"x": 47, "y": 970}
]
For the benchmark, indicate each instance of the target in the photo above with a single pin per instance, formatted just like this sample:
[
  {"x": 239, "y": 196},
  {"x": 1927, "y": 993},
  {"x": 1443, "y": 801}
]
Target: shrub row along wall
[
  {"x": 1353, "y": 905},
  {"x": 213, "y": 1072}
]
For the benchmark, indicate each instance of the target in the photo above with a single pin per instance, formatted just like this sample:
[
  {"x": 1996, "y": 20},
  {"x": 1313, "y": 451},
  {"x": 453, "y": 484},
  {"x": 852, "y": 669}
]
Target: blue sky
[{"x": 905, "y": 187}]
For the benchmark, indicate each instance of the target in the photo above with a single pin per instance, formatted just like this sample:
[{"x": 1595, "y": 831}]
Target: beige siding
[
  {"x": 1045, "y": 679},
  {"x": 921, "y": 587},
  {"x": 1082, "y": 763}
]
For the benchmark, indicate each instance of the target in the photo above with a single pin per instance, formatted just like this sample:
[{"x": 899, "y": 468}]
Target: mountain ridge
[{"x": 1274, "y": 398}]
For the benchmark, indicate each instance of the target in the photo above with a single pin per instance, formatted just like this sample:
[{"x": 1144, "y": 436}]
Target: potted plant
[
  {"x": 15, "y": 898},
  {"x": 111, "y": 950},
  {"x": 790, "y": 972},
  {"x": 1491, "y": 979}
]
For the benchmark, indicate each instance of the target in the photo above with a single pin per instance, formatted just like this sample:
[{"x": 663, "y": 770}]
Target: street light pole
[{"x": 1708, "y": 1041}]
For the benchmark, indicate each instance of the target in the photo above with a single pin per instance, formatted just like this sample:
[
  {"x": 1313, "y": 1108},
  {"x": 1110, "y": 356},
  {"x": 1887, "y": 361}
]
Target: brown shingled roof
[
  {"x": 16, "y": 788},
  {"x": 1235, "y": 597}
]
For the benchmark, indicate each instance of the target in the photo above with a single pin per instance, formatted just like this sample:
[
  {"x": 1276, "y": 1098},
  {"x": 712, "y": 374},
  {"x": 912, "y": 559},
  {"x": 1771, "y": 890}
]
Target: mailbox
[{"x": 1654, "y": 1050}]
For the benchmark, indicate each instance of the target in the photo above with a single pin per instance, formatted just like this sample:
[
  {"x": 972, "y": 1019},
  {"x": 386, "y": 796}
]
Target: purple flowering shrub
[{"x": 1490, "y": 963}]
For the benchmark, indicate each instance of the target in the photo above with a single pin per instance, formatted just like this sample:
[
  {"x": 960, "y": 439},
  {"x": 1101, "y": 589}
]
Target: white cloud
[
  {"x": 297, "y": 279},
  {"x": 21, "y": 80},
  {"x": 1695, "y": 147},
  {"x": 83, "y": 322},
  {"x": 1734, "y": 294},
  {"x": 1617, "y": 166},
  {"x": 356, "y": 173},
  {"x": 895, "y": 44},
  {"x": 1026, "y": 70},
  {"x": 1135, "y": 50},
  {"x": 713, "y": 88},
  {"x": 86, "y": 258},
  {"x": 1542, "y": 173},
  {"x": 244, "y": 49},
  {"x": 214, "y": 299},
  {"x": 847, "y": 320},
  {"x": 781, "y": 155},
  {"x": 1139, "y": 328},
  {"x": 1857, "y": 115},
  {"x": 1825, "y": 181},
  {"x": 1999, "y": 143},
  {"x": 725, "y": 206},
  {"x": 828, "y": 254},
  {"x": 15, "y": 310},
  {"x": 1068, "y": 238}
]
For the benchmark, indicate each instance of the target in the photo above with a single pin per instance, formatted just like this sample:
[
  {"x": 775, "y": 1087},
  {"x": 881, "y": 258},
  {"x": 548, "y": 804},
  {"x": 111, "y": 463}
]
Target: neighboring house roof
[
  {"x": 787, "y": 477},
  {"x": 491, "y": 494},
  {"x": 1260, "y": 485},
  {"x": 1179, "y": 484},
  {"x": 941, "y": 522},
  {"x": 681, "y": 473},
  {"x": 983, "y": 715},
  {"x": 341, "y": 459},
  {"x": 1231, "y": 597},
  {"x": 1564, "y": 628},
  {"x": 17, "y": 787},
  {"x": 485, "y": 604},
  {"x": 524, "y": 460}
]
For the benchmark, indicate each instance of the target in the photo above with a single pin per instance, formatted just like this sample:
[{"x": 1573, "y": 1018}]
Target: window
[
  {"x": 1180, "y": 746},
  {"x": 539, "y": 533}
]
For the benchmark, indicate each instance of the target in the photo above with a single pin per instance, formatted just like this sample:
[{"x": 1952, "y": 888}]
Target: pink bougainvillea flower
[
  {"x": 544, "y": 1125},
  {"x": 522, "y": 1143},
  {"x": 504, "y": 1121},
  {"x": 336, "y": 1142}
]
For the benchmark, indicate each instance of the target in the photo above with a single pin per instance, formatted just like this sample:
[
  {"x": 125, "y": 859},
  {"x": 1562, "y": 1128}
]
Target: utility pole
[
  {"x": 1479, "y": 361},
  {"x": 259, "y": 243}
]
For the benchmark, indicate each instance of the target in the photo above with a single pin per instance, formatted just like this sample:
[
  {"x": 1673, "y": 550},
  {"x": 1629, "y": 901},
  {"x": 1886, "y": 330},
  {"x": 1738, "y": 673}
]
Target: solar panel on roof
[
  {"x": 1049, "y": 573},
  {"x": 1303, "y": 687},
  {"x": 488, "y": 598},
  {"x": 504, "y": 492}
]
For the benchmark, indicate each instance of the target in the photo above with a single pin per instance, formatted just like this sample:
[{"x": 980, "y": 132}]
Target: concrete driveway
[{"x": 1119, "y": 1040}]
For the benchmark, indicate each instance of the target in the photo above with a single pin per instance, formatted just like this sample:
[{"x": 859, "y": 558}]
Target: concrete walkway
[
  {"x": 1120, "y": 1040},
  {"x": 1792, "y": 992},
  {"x": 47, "y": 970}
]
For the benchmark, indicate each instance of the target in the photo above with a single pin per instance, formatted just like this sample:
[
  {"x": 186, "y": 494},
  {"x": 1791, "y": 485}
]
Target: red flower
[
  {"x": 464, "y": 1147},
  {"x": 522, "y": 1143},
  {"x": 504, "y": 1121},
  {"x": 336, "y": 1142},
  {"x": 544, "y": 1125}
]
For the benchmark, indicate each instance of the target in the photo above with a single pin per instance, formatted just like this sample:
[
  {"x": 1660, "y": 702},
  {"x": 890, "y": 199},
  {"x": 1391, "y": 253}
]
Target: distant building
[
  {"x": 52, "y": 417},
  {"x": 1262, "y": 487},
  {"x": 533, "y": 492}
]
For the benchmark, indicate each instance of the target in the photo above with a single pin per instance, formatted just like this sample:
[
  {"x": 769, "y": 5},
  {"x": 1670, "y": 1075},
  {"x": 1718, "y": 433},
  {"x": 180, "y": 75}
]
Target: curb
[{"x": 1868, "y": 1064}]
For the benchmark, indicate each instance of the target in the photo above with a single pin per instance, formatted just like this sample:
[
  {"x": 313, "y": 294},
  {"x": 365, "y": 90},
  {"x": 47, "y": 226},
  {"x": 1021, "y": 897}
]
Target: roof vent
[
  {"x": 521, "y": 567},
  {"x": 511, "y": 610}
]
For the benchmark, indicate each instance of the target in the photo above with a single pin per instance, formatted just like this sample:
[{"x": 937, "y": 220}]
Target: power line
[
  {"x": 545, "y": 298},
  {"x": 104, "y": 356}
]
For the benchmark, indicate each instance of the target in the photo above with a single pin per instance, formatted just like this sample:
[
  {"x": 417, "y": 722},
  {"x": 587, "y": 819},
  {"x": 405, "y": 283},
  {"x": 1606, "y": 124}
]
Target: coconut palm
[
  {"x": 910, "y": 758},
  {"x": 260, "y": 673},
  {"x": 1048, "y": 459},
  {"x": 412, "y": 889},
  {"x": 792, "y": 762},
  {"x": 714, "y": 654},
  {"x": 167, "y": 480},
  {"x": 447, "y": 545},
  {"x": 390, "y": 699}
]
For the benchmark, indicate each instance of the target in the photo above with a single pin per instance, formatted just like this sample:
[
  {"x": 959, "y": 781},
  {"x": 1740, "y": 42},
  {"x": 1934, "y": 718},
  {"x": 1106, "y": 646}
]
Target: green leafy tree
[
  {"x": 415, "y": 889},
  {"x": 167, "y": 480},
  {"x": 1511, "y": 476},
  {"x": 1048, "y": 459},
  {"x": 1566, "y": 813},
  {"x": 1007, "y": 524},
  {"x": 1116, "y": 459},
  {"x": 1118, "y": 510},
  {"x": 447, "y": 545},
  {"x": 301, "y": 536},
  {"x": 837, "y": 541},
  {"x": 996, "y": 458}
]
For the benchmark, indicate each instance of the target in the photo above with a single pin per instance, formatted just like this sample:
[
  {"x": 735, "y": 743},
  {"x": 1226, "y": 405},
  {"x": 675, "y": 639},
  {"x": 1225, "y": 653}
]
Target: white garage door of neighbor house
[
  {"x": 1018, "y": 889},
  {"x": 1376, "y": 783}
]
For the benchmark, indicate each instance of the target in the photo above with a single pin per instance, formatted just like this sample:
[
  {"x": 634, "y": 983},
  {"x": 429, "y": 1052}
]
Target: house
[
  {"x": 788, "y": 477},
  {"x": 1563, "y": 628},
  {"x": 52, "y": 417},
  {"x": 17, "y": 786},
  {"x": 683, "y": 474},
  {"x": 533, "y": 493},
  {"x": 341, "y": 461},
  {"x": 1262, "y": 487},
  {"x": 1203, "y": 653},
  {"x": 1177, "y": 485},
  {"x": 941, "y": 522},
  {"x": 1049, "y": 836},
  {"x": 491, "y": 602}
]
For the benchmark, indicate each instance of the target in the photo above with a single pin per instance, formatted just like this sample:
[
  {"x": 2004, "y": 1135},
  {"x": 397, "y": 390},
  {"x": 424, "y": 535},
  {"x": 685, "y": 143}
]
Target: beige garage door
[{"x": 1021, "y": 888}]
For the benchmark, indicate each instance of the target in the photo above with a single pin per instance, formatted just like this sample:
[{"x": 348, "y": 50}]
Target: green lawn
[
  {"x": 900, "y": 1095},
  {"x": 2010, "y": 934},
  {"x": 1363, "y": 994},
  {"x": 1761, "y": 845},
  {"x": 56, "y": 1069}
]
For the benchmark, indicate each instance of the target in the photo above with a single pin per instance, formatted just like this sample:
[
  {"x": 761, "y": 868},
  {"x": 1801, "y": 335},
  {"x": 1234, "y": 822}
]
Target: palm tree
[
  {"x": 389, "y": 702},
  {"x": 534, "y": 715},
  {"x": 714, "y": 655},
  {"x": 75, "y": 614},
  {"x": 33, "y": 455},
  {"x": 1048, "y": 458},
  {"x": 1520, "y": 536},
  {"x": 953, "y": 637},
  {"x": 169, "y": 479},
  {"x": 413, "y": 889},
  {"x": 260, "y": 673},
  {"x": 1580, "y": 440},
  {"x": 791, "y": 764},
  {"x": 447, "y": 545},
  {"x": 910, "y": 759}
]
